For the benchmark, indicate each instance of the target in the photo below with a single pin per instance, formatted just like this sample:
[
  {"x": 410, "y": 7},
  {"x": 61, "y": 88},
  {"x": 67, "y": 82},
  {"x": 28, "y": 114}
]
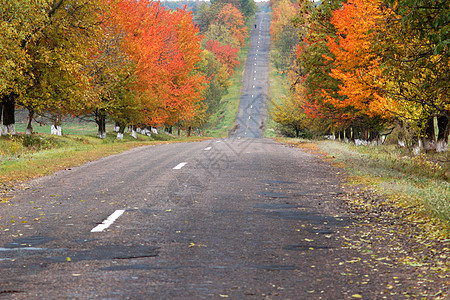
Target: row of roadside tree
[
  {"x": 361, "y": 69},
  {"x": 133, "y": 62}
]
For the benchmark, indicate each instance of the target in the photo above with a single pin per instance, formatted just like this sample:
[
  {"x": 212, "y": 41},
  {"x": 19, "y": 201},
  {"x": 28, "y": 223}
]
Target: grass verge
[
  {"x": 277, "y": 90},
  {"x": 27, "y": 157},
  {"x": 416, "y": 188}
]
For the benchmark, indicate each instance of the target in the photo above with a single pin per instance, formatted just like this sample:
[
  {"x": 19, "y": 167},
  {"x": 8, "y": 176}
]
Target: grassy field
[{"x": 74, "y": 127}]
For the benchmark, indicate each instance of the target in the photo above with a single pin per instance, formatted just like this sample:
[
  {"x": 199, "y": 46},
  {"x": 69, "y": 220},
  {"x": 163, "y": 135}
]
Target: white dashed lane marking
[
  {"x": 106, "y": 223},
  {"x": 179, "y": 166}
]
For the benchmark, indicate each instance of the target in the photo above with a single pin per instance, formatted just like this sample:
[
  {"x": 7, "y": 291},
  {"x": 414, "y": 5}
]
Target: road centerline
[
  {"x": 180, "y": 165},
  {"x": 106, "y": 223}
]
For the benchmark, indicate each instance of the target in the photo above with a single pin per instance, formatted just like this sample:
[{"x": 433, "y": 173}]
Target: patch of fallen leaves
[{"x": 388, "y": 239}]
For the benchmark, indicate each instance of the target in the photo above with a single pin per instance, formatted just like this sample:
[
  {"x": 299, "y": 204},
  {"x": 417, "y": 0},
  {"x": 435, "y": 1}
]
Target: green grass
[
  {"x": 26, "y": 157},
  {"x": 420, "y": 183},
  {"x": 84, "y": 128},
  {"x": 277, "y": 89},
  {"x": 419, "y": 186}
]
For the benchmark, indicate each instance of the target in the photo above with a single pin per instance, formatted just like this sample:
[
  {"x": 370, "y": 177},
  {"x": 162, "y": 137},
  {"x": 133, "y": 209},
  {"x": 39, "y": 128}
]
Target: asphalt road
[
  {"x": 250, "y": 120},
  {"x": 238, "y": 218}
]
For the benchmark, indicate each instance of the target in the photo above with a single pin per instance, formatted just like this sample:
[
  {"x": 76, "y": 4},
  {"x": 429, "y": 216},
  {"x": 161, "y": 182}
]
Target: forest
[{"x": 364, "y": 70}]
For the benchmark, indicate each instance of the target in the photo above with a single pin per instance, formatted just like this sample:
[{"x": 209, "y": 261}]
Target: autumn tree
[
  {"x": 284, "y": 35},
  {"x": 289, "y": 113},
  {"x": 314, "y": 67},
  {"x": 165, "y": 48},
  {"x": 232, "y": 18},
  {"x": 356, "y": 64},
  {"x": 416, "y": 65},
  {"x": 211, "y": 67},
  {"x": 226, "y": 54},
  {"x": 46, "y": 42}
]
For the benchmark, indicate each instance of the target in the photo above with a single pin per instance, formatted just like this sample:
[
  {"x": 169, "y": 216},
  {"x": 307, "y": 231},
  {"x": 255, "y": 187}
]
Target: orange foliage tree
[
  {"x": 165, "y": 49},
  {"x": 226, "y": 54},
  {"x": 233, "y": 19},
  {"x": 357, "y": 66}
]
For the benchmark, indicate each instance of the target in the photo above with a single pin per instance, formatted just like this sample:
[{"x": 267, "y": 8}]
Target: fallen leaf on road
[{"x": 192, "y": 244}]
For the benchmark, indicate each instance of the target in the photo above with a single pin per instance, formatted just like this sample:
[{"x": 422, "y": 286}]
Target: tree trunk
[
  {"x": 133, "y": 132},
  {"x": 444, "y": 134},
  {"x": 56, "y": 127},
  {"x": 29, "y": 130},
  {"x": 120, "y": 132},
  {"x": 8, "y": 104},
  {"x": 189, "y": 131},
  {"x": 100, "y": 119}
]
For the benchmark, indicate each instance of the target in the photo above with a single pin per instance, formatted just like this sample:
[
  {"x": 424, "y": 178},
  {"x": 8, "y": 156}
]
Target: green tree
[
  {"x": 45, "y": 60},
  {"x": 288, "y": 112},
  {"x": 415, "y": 52}
]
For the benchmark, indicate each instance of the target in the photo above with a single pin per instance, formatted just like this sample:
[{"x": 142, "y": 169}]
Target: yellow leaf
[
  {"x": 356, "y": 296},
  {"x": 68, "y": 259}
]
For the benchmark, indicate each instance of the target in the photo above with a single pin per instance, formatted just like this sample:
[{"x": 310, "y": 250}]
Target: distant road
[{"x": 251, "y": 118}]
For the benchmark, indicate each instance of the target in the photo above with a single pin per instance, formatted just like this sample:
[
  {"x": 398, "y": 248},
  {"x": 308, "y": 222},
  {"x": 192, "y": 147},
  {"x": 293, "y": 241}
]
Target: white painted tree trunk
[
  {"x": 145, "y": 131},
  {"x": 117, "y": 128},
  {"x": 9, "y": 129},
  {"x": 359, "y": 142},
  {"x": 120, "y": 136},
  {"x": 56, "y": 130},
  {"x": 441, "y": 146},
  {"x": 154, "y": 130},
  {"x": 134, "y": 133},
  {"x": 417, "y": 149},
  {"x": 101, "y": 135}
]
